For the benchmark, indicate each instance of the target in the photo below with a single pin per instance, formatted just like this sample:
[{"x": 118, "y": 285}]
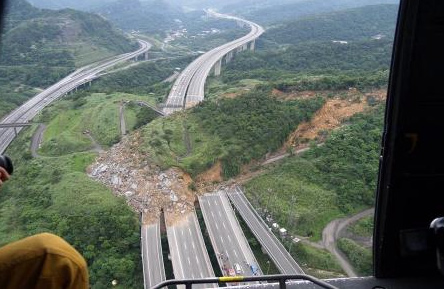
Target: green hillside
[
  {"x": 353, "y": 24},
  {"x": 306, "y": 54},
  {"x": 39, "y": 47},
  {"x": 275, "y": 13},
  {"x": 57, "y": 38}
]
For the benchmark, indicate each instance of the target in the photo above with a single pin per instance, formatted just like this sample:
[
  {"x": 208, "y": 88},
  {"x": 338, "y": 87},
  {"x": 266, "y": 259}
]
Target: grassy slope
[{"x": 99, "y": 114}]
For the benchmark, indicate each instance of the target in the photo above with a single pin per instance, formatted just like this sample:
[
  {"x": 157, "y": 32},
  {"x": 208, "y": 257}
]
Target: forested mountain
[
  {"x": 276, "y": 12},
  {"x": 39, "y": 47},
  {"x": 311, "y": 46},
  {"x": 352, "y": 24},
  {"x": 158, "y": 16},
  {"x": 32, "y": 35},
  {"x": 75, "y": 4}
]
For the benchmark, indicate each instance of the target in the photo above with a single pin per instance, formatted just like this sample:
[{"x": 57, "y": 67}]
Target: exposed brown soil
[
  {"x": 210, "y": 177},
  {"x": 332, "y": 115}
]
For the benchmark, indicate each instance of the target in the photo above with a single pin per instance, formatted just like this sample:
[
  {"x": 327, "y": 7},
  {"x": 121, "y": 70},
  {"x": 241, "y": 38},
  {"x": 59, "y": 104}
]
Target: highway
[
  {"x": 152, "y": 259},
  {"x": 188, "y": 252},
  {"x": 283, "y": 260},
  {"x": 32, "y": 107},
  {"x": 189, "y": 87},
  {"x": 196, "y": 89},
  {"x": 226, "y": 235}
]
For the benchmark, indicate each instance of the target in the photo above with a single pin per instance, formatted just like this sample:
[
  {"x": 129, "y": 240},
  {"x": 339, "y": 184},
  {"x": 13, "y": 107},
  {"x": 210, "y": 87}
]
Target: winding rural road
[{"x": 331, "y": 234}]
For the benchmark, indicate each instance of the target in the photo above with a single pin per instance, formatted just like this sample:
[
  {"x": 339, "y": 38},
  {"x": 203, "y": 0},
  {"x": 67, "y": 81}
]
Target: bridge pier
[
  {"x": 217, "y": 67},
  {"x": 146, "y": 55},
  {"x": 229, "y": 57},
  {"x": 15, "y": 131},
  {"x": 252, "y": 45}
]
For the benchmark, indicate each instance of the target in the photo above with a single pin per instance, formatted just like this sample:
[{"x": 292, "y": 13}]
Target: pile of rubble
[{"x": 146, "y": 188}]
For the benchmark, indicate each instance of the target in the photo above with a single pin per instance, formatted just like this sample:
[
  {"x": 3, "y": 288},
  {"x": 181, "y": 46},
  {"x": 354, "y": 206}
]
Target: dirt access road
[{"x": 331, "y": 234}]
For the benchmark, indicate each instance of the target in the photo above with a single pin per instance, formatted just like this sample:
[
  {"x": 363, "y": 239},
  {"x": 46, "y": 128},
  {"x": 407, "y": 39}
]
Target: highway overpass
[
  {"x": 32, "y": 107},
  {"x": 280, "y": 256},
  {"x": 229, "y": 242},
  {"x": 189, "y": 87},
  {"x": 152, "y": 259},
  {"x": 188, "y": 251}
]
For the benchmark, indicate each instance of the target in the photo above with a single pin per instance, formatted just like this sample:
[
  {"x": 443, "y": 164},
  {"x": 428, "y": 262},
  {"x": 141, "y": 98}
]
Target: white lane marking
[
  {"x": 147, "y": 257},
  {"x": 229, "y": 238},
  {"x": 192, "y": 243},
  {"x": 189, "y": 261},
  {"x": 159, "y": 255},
  {"x": 178, "y": 253}
]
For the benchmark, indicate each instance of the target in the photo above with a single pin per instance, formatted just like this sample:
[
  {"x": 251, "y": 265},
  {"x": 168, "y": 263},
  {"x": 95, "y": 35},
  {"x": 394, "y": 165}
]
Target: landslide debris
[{"x": 146, "y": 187}]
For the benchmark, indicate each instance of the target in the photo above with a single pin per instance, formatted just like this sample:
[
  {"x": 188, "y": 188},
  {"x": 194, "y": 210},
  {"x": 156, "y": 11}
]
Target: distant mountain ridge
[
  {"x": 30, "y": 34},
  {"x": 284, "y": 10},
  {"x": 365, "y": 22},
  {"x": 40, "y": 46}
]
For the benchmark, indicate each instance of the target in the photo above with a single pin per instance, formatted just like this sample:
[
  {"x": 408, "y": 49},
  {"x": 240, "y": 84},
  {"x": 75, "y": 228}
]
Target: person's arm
[{"x": 4, "y": 176}]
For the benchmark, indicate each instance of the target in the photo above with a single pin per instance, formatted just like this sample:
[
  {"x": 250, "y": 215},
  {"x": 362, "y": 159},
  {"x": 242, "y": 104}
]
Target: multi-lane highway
[
  {"x": 189, "y": 87},
  {"x": 188, "y": 252},
  {"x": 153, "y": 268},
  {"x": 230, "y": 245},
  {"x": 283, "y": 260},
  {"x": 32, "y": 107}
]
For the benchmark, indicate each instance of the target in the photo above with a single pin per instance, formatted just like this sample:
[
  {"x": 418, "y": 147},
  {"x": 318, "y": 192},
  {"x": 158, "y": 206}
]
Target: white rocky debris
[{"x": 145, "y": 187}]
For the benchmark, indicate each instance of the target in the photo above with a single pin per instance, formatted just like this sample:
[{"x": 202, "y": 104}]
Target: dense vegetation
[
  {"x": 276, "y": 12},
  {"x": 233, "y": 131},
  {"x": 157, "y": 17},
  {"x": 39, "y": 47},
  {"x": 142, "y": 79},
  {"x": 363, "y": 227},
  {"x": 360, "y": 257},
  {"x": 328, "y": 181},
  {"x": 301, "y": 55},
  {"x": 252, "y": 125},
  {"x": 354, "y": 24},
  {"x": 55, "y": 195}
]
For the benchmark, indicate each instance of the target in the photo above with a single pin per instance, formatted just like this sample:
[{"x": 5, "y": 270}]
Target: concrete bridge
[
  {"x": 82, "y": 76},
  {"x": 189, "y": 88}
]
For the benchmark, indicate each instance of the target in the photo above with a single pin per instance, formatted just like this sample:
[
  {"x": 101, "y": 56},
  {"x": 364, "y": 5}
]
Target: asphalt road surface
[
  {"x": 229, "y": 242},
  {"x": 32, "y": 107},
  {"x": 188, "y": 252},
  {"x": 283, "y": 260},
  {"x": 153, "y": 267},
  {"x": 188, "y": 89}
]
